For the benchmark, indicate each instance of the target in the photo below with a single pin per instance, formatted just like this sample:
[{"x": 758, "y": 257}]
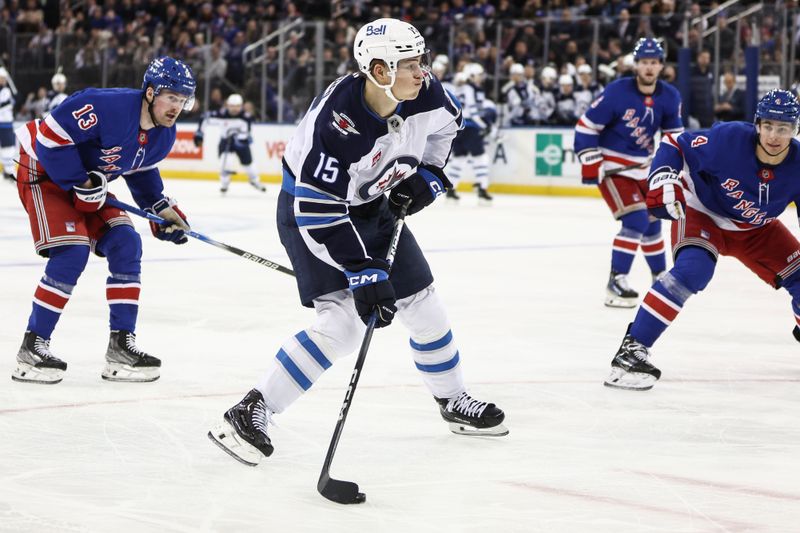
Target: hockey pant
[
  {"x": 479, "y": 165},
  {"x": 338, "y": 332}
]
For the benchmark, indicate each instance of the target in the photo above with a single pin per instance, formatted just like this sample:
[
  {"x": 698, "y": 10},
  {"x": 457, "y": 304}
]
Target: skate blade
[
  {"x": 130, "y": 374},
  {"x": 464, "y": 429},
  {"x": 620, "y": 303},
  {"x": 228, "y": 441},
  {"x": 258, "y": 187},
  {"x": 25, "y": 373},
  {"x": 637, "y": 381}
]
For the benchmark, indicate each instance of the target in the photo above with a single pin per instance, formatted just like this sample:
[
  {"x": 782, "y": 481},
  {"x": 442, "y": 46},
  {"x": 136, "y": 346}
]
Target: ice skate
[
  {"x": 619, "y": 293},
  {"x": 484, "y": 198},
  {"x": 452, "y": 195},
  {"x": 224, "y": 182},
  {"x": 35, "y": 362},
  {"x": 468, "y": 416},
  {"x": 257, "y": 185},
  {"x": 126, "y": 362},
  {"x": 243, "y": 432},
  {"x": 630, "y": 368}
]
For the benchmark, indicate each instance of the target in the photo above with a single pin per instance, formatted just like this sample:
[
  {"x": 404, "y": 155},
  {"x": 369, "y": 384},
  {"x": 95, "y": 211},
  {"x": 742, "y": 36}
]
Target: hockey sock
[
  {"x": 64, "y": 267},
  {"x": 792, "y": 286},
  {"x": 455, "y": 169},
  {"x": 481, "y": 169},
  {"x": 7, "y": 158},
  {"x": 653, "y": 248},
  {"x": 251, "y": 174},
  {"x": 694, "y": 268},
  {"x": 627, "y": 241},
  {"x": 433, "y": 349},
  {"x": 122, "y": 246}
]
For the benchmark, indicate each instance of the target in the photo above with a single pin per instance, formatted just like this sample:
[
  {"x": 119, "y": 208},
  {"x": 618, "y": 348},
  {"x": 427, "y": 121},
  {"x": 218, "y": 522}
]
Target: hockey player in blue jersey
[
  {"x": 66, "y": 162},
  {"x": 235, "y": 137},
  {"x": 724, "y": 189},
  {"x": 386, "y": 129},
  {"x": 614, "y": 143}
]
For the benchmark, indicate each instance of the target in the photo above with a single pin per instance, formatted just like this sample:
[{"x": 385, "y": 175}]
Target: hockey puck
[{"x": 360, "y": 498}]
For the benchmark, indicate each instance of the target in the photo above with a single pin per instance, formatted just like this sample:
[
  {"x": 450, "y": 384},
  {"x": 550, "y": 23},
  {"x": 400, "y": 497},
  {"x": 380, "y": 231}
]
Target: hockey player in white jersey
[
  {"x": 235, "y": 137},
  {"x": 469, "y": 151},
  {"x": 58, "y": 94},
  {"x": 389, "y": 129},
  {"x": 7, "y": 141}
]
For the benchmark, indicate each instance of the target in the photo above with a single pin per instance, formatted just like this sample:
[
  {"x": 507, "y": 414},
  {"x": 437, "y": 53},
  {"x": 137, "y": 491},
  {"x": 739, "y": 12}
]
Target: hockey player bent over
[
  {"x": 235, "y": 136},
  {"x": 737, "y": 179},
  {"x": 617, "y": 132},
  {"x": 386, "y": 129},
  {"x": 66, "y": 162}
]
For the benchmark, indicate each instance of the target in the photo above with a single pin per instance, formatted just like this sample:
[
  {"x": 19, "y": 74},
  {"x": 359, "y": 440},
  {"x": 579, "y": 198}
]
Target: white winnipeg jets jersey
[
  {"x": 346, "y": 151},
  {"x": 236, "y": 126}
]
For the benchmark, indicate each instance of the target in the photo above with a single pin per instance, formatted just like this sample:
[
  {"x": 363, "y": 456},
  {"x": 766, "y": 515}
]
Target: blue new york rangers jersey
[
  {"x": 622, "y": 123},
  {"x": 343, "y": 154},
  {"x": 726, "y": 180},
  {"x": 98, "y": 129}
]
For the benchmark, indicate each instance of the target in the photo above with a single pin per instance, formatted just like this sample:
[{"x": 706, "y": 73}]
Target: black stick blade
[{"x": 345, "y": 492}]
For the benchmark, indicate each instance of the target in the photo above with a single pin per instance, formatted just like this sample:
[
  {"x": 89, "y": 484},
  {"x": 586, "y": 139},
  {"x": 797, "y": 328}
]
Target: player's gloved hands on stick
[
  {"x": 421, "y": 188},
  {"x": 91, "y": 195},
  {"x": 590, "y": 166},
  {"x": 666, "y": 199},
  {"x": 198, "y": 139},
  {"x": 168, "y": 209},
  {"x": 372, "y": 290}
]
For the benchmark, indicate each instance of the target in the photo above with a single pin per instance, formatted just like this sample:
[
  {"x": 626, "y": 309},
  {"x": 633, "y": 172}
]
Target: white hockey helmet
[
  {"x": 517, "y": 68},
  {"x": 58, "y": 79},
  {"x": 234, "y": 100},
  {"x": 390, "y": 41},
  {"x": 474, "y": 72},
  {"x": 549, "y": 73},
  {"x": 565, "y": 79},
  {"x": 585, "y": 69}
]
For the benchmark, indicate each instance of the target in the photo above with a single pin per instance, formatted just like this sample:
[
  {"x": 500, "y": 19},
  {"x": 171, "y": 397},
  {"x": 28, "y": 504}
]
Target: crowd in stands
[{"x": 109, "y": 42}]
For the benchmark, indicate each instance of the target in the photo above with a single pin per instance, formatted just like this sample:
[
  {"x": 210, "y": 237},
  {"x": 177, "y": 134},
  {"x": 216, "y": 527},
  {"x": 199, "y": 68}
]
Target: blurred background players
[
  {"x": 724, "y": 189},
  {"x": 614, "y": 142},
  {"x": 468, "y": 148},
  {"x": 58, "y": 94},
  {"x": 235, "y": 137},
  {"x": 7, "y": 141},
  {"x": 520, "y": 95}
]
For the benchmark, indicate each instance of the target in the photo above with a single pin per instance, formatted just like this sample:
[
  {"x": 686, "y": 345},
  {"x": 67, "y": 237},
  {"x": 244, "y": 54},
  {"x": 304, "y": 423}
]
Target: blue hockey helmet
[
  {"x": 778, "y": 105},
  {"x": 172, "y": 74},
  {"x": 647, "y": 47}
]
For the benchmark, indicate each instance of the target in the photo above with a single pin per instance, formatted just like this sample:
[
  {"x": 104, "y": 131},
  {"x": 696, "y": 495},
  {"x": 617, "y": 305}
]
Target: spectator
[
  {"x": 565, "y": 101},
  {"x": 701, "y": 105},
  {"x": 731, "y": 101},
  {"x": 586, "y": 90},
  {"x": 548, "y": 92},
  {"x": 520, "y": 95}
]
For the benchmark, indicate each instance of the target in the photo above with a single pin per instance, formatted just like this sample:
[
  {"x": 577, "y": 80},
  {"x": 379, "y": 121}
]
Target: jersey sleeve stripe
[
  {"x": 585, "y": 122},
  {"x": 51, "y": 134}
]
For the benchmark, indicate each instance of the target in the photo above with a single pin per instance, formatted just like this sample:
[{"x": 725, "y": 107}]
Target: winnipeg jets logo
[
  {"x": 699, "y": 141},
  {"x": 391, "y": 174},
  {"x": 344, "y": 124}
]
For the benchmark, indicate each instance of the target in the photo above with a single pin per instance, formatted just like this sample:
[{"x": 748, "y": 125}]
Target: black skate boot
[
  {"x": 35, "y": 362},
  {"x": 619, "y": 293},
  {"x": 257, "y": 185},
  {"x": 468, "y": 416},
  {"x": 243, "y": 433},
  {"x": 452, "y": 195},
  {"x": 126, "y": 362},
  {"x": 630, "y": 368},
  {"x": 796, "y": 333},
  {"x": 483, "y": 195}
]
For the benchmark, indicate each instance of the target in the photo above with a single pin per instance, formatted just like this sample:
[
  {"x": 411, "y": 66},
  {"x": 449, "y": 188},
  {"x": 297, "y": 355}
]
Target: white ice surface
[{"x": 713, "y": 447}]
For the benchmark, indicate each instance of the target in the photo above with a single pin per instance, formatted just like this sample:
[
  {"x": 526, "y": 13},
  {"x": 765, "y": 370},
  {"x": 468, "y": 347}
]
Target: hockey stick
[
  {"x": 334, "y": 489},
  {"x": 158, "y": 220},
  {"x": 633, "y": 166}
]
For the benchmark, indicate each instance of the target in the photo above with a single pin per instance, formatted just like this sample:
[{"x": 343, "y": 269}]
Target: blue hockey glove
[
  {"x": 168, "y": 209},
  {"x": 421, "y": 188},
  {"x": 372, "y": 290}
]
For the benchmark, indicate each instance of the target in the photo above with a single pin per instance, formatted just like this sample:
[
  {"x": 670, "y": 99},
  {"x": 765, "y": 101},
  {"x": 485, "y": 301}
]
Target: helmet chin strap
[{"x": 386, "y": 88}]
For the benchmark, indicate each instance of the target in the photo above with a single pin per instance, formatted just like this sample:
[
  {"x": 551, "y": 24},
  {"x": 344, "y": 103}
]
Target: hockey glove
[
  {"x": 198, "y": 139},
  {"x": 666, "y": 199},
  {"x": 372, "y": 290},
  {"x": 174, "y": 231},
  {"x": 91, "y": 195},
  {"x": 590, "y": 166},
  {"x": 421, "y": 188}
]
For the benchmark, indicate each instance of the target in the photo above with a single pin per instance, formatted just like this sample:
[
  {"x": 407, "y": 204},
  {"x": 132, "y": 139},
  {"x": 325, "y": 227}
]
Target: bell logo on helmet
[{"x": 376, "y": 30}]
